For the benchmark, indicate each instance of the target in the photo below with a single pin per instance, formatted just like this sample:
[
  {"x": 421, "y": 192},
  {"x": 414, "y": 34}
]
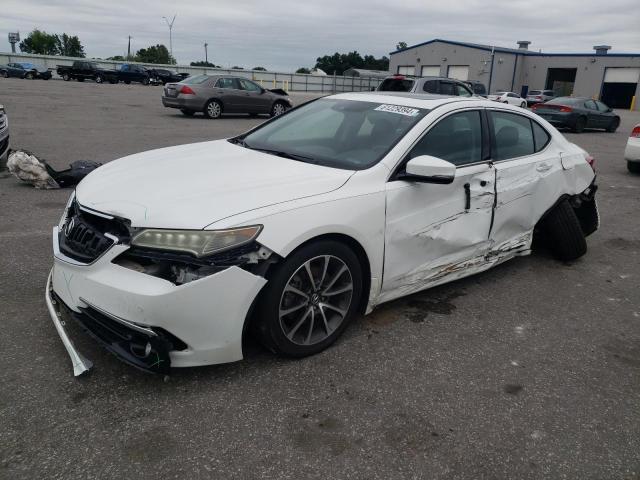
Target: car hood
[{"x": 192, "y": 186}]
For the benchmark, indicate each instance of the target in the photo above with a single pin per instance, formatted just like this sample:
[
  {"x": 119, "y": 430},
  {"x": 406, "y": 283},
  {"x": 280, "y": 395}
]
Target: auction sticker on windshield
[{"x": 409, "y": 112}]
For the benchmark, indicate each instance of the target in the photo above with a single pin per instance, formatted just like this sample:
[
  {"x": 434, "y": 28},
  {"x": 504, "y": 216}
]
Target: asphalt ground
[{"x": 530, "y": 370}]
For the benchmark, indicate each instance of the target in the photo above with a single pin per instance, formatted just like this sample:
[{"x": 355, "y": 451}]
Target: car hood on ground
[{"x": 192, "y": 186}]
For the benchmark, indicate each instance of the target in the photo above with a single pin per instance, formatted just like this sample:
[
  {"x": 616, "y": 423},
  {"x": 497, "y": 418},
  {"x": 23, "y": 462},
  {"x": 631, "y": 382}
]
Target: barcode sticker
[{"x": 407, "y": 111}]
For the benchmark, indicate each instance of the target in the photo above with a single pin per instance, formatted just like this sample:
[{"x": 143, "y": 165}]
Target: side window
[
  {"x": 456, "y": 138},
  {"x": 227, "y": 83},
  {"x": 125, "y": 68},
  {"x": 249, "y": 85},
  {"x": 430, "y": 86},
  {"x": 601, "y": 106},
  {"x": 512, "y": 95},
  {"x": 461, "y": 91},
  {"x": 446, "y": 88},
  {"x": 590, "y": 104},
  {"x": 513, "y": 136},
  {"x": 540, "y": 136}
]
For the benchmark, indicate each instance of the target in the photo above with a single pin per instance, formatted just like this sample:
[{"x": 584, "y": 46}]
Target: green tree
[
  {"x": 401, "y": 45},
  {"x": 154, "y": 54},
  {"x": 39, "y": 42},
  {"x": 69, "y": 46},
  {"x": 202, "y": 63},
  {"x": 261, "y": 69},
  {"x": 339, "y": 62},
  {"x": 303, "y": 70}
]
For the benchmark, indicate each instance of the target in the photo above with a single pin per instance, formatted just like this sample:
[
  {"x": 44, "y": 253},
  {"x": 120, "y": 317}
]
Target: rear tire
[
  {"x": 325, "y": 307},
  {"x": 633, "y": 167},
  {"x": 99, "y": 79},
  {"x": 613, "y": 126},
  {"x": 5, "y": 74},
  {"x": 563, "y": 232},
  {"x": 188, "y": 113},
  {"x": 581, "y": 122},
  {"x": 213, "y": 109}
]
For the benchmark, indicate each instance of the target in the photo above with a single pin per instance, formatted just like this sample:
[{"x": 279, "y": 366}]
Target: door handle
[
  {"x": 467, "y": 196},
  {"x": 543, "y": 167}
]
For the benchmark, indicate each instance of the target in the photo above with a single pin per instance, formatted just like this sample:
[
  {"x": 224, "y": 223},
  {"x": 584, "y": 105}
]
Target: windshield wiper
[{"x": 283, "y": 154}]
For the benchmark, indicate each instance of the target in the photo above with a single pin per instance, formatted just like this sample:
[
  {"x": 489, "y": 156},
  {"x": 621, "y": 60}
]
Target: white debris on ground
[{"x": 28, "y": 168}]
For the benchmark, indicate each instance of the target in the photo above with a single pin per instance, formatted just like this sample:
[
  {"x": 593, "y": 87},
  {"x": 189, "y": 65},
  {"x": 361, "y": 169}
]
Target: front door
[
  {"x": 436, "y": 233},
  {"x": 228, "y": 90},
  {"x": 254, "y": 100}
]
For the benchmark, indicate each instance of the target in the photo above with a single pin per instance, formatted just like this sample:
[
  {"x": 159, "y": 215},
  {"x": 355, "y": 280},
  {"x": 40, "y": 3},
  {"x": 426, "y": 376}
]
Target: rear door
[
  {"x": 529, "y": 179},
  {"x": 593, "y": 116},
  {"x": 254, "y": 99},
  {"x": 227, "y": 89},
  {"x": 436, "y": 233}
]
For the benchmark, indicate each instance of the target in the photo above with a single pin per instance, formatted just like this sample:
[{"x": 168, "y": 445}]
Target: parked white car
[
  {"x": 632, "y": 150},
  {"x": 169, "y": 257},
  {"x": 508, "y": 97}
]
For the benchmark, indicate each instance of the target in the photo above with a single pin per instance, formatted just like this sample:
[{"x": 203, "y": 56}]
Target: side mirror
[
  {"x": 428, "y": 169},
  {"x": 262, "y": 90}
]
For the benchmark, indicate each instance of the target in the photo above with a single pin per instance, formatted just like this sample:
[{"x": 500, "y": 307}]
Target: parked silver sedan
[{"x": 216, "y": 95}]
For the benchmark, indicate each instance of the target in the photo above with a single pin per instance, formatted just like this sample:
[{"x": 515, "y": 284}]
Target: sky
[{"x": 284, "y": 35}]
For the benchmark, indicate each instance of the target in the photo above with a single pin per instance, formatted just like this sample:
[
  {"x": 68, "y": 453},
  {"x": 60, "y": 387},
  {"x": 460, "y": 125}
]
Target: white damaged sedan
[{"x": 169, "y": 257}]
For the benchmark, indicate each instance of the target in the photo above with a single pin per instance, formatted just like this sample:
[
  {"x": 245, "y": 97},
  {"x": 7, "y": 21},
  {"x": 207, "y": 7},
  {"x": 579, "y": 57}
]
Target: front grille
[
  {"x": 83, "y": 235},
  {"x": 4, "y": 144}
]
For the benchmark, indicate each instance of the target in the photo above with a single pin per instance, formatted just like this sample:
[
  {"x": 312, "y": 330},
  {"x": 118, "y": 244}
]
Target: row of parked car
[{"x": 82, "y": 70}]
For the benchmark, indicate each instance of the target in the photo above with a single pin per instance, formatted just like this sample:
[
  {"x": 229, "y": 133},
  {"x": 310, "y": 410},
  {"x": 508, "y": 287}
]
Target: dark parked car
[
  {"x": 25, "y": 70},
  {"x": 437, "y": 85},
  {"x": 161, "y": 75},
  {"x": 128, "y": 73},
  {"x": 477, "y": 87},
  {"x": 82, "y": 70},
  {"x": 577, "y": 114},
  {"x": 215, "y": 95}
]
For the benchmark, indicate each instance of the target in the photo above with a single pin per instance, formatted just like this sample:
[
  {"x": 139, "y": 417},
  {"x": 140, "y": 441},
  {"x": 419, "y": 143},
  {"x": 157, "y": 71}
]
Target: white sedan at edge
[
  {"x": 508, "y": 97},
  {"x": 168, "y": 258}
]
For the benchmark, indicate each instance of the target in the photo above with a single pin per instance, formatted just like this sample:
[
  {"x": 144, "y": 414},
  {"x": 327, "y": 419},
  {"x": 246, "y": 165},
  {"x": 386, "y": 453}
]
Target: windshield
[
  {"x": 396, "y": 85},
  {"x": 196, "y": 79},
  {"x": 347, "y": 134}
]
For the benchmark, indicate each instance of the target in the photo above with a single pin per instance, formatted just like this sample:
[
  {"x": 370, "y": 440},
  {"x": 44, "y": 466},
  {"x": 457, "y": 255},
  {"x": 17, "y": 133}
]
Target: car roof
[{"x": 417, "y": 100}]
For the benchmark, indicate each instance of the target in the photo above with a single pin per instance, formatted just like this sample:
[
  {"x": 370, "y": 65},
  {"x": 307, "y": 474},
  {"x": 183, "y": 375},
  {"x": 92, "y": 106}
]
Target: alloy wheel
[
  {"x": 214, "y": 110},
  {"x": 278, "y": 109},
  {"x": 316, "y": 300}
]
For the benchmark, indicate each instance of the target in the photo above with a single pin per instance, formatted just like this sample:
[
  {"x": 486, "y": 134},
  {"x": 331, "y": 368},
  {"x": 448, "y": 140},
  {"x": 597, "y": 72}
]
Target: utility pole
[
  {"x": 170, "y": 25},
  {"x": 206, "y": 57},
  {"x": 129, "y": 49}
]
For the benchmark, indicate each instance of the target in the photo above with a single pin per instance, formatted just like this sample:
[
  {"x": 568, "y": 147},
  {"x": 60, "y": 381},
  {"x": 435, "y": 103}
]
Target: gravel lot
[{"x": 530, "y": 370}]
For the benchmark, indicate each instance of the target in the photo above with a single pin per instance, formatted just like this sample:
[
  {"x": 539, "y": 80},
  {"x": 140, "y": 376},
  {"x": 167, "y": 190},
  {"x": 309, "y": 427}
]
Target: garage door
[
  {"x": 430, "y": 71},
  {"x": 459, "y": 72},
  {"x": 619, "y": 87},
  {"x": 621, "y": 75},
  {"x": 406, "y": 70}
]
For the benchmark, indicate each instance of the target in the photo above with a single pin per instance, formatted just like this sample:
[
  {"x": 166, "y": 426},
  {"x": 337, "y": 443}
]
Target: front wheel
[
  {"x": 523, "y": 105},
  {"x": 145, "y": 81},
  {"x": 213, "y": 109},
  {"x": 581, "y": 122},
  {"x": 633, "y": 167},
  {"x": 66, "y": 77},
  {"x": 5, "y": 74},
  {"x": 278, "y": 109},
  {"x": 613, "y": 126},
  {"x": 310, "y": 299},
  {"x": 99, "y": 79},
  {"x": 563, "y": 232},
  {"x": 29, "y": 76}
]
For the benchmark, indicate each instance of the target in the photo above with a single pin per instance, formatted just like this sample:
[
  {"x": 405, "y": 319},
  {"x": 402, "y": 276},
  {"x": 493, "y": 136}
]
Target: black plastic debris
[{"x": 30, "y": 169}]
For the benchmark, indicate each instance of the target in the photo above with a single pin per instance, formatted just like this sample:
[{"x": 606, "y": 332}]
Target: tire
[
  {"x": 213, "y": 109},
  {"x": 581, "y": 122},
  {"x": 303, "y": 330},
  {"x": 633, "y": 167},
  {"x": 66, "y": 77},
  {"x": 613, "y": 126},
  {"x": 29, "y": 76},
  {"x": 278, "y": 109},
  {"x": 145, "y": 81},
  {"x": 188, "y": 113},
  {"x": 563, "y": 232},
  {"x": 99, "y": 79},
  {"x": 523, "y": 105},
  {"x": 5, "y": 74},
  {"x": 128, "y": 82}
]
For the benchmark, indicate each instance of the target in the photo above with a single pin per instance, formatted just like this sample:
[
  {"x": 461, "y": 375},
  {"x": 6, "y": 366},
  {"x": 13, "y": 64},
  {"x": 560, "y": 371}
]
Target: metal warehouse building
[{"x": 611, "y": 77}]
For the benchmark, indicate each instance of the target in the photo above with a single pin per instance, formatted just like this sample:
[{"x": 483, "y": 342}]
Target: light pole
[
  {"x": 170, "y": 25},
  {"x": 129, "y": 49},
  {"x": 206, "y": 57}
]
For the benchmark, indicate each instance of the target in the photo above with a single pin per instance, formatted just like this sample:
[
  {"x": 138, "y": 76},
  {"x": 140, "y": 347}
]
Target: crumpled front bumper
[{"x": 207, "y": 315}]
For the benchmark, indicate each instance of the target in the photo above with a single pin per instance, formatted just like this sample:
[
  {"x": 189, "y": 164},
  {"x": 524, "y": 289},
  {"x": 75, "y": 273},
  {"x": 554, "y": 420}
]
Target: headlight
[{"x": 198, "y": 242}]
